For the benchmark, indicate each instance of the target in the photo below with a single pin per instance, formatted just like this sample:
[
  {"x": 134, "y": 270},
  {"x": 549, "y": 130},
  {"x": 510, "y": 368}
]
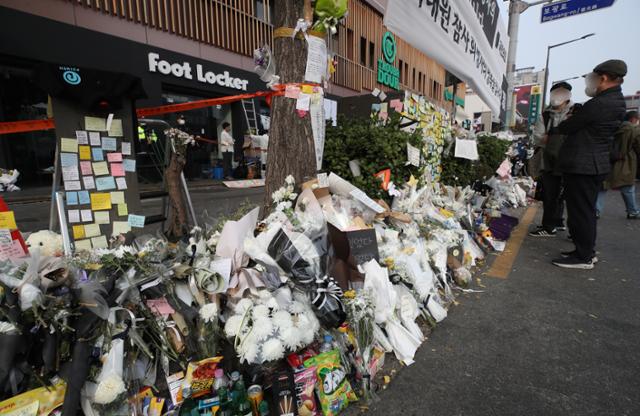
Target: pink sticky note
[
  {"x": 396, "y": 105},
  {"x": 114, "y": 157},
  {"x": 85, "y": 167},
  {"x": 117, "y": 169},
  {"x": 160, "y": 306},
  {"x": 292, "y": 91}
]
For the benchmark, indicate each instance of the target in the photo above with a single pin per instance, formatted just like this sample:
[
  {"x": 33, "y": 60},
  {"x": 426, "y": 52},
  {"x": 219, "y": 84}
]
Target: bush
[
  {"x": 491, "y": 152},
  {"x": 376, "y": 147}
]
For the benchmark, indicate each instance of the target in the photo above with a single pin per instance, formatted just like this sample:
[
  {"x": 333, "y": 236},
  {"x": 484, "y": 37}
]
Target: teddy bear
[{"x": 49, "y": 243}]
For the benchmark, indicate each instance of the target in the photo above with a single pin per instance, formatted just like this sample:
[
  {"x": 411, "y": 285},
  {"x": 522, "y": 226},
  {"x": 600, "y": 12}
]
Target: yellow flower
[{"x": 350, "y": 294}]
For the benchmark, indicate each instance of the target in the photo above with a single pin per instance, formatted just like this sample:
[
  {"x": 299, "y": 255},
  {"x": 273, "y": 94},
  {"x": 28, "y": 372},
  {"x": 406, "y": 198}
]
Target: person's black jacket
[{"x": 590, "y": 132}]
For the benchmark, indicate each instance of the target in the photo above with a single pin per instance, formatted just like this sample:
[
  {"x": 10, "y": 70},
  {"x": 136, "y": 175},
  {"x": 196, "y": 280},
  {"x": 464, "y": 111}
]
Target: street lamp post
[
  {"x": 563, "y": 80},
  {"x": 546, "y": 67}
]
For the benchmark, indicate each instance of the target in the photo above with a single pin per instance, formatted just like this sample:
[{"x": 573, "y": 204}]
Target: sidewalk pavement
[{"x": 542, "y": 341}]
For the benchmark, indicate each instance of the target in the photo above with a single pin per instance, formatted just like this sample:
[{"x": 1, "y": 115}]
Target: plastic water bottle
[{"x": 327, "y": 345}]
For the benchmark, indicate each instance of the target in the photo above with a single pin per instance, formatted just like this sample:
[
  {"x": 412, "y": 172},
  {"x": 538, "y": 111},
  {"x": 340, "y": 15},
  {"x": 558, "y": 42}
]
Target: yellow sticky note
[
  {"x": 99, "y": 242},
  {"x": 91, "y": 230},
  {"x": 69, "y": 145},
  {"x": 116, "y": 128},
  {"x": 123, "y": 210},
  {"x": 100, "y": 201},
  {"x": 100, "y": 168},
  {"x": 78, "y": 232},
  {"x": 95, "y": 123},
  {"x": 307, "y": 89},
  {"x": 120, "y": 227},
  {"x": 85, "y": 152},
  {"x": 101, "y": 217},
  {"x": 83, "y": 245},
  {"x": 117, "y": 197},
  {"x": 8, "y": 220}
]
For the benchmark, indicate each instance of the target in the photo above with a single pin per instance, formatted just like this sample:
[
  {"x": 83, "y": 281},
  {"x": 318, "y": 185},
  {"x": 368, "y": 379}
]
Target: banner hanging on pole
[{"x": 467, "y": 37}]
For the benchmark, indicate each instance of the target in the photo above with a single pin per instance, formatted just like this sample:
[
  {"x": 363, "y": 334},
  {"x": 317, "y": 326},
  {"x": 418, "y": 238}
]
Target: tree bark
[
  {"x": 177, "y": 211},
  {"x": 291, "y": 148}
]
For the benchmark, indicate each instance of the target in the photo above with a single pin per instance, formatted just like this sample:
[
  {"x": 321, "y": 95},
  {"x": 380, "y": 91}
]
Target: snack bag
[
  {"x": 305, "y": 381},
  {"x": 47, "y": 401},
  {"x": 334, "y": 390},
  {"x": 199, "y": 378}
]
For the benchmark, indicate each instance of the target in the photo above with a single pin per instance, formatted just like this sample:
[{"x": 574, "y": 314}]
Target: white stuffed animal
[{"x": 49, "y": 243}]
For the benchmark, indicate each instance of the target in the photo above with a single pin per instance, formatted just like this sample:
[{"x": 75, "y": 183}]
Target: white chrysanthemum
[
  {"x": 264, "y": 294},
  {"x": 262, "y": 328},
  {"x": 282, "y": 320},
  {"x": 9, "y": 328},
  {"x": 109, "y": 389},
  {"x": 260, "y": 312},
  {"x": 233, "y": 326},
  {"x": 278, "y": 195},
  {"x": 297, "y": 307},
  {"x": 272, "y": 350},
  {"x": 290, "y": 180},
  {"x": 248, "y": 349},
  {"x": 314, "y": 324},
  {"x": 243, "y": 306},
  {"x": 291, "y": 337},
  {"x": 273, "y": 304},
  {"x": 307, "y": 335},
  {"x": 293, "y": 196},
  {"x": 209, "y": 312}
]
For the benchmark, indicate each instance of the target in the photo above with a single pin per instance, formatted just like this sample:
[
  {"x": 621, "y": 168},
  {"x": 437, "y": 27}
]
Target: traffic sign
[{"x": 570, "y": 8}]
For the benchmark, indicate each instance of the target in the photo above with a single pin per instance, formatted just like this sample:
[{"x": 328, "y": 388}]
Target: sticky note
[
  {"x": 117, "y": 169},
  {"x": 5, "y": 237},
  {"x": 85, "y": 152},
  {"x": 72, "y": 186},
  {"x": 100, "y": 201},
  {"x": 99, "y": 242},
  {"x": 114, "y": 157},
  {"x": 123, "y": 210},
  {"x": 105, "y": 183},
  {"x": 85, "y": 168},
  {"x": 78, "y": 232},
  {"x": 95, "y": 123},
  {"x": 116, "y": 128},
  {"x": 292, "y": 91},
  {"x": 68, "y": 159},
  {"x": 72, "y": 198},
  {"x": 74, "y": 216},
  {"x": 117, "y": 197},
  {"x": 83, "y": 245},
  {"x": 82, "y": 137},
  {"x": 109, "y": 144},
  {"x": 83, "y": 197},
  {"x": 94, "y": 138},
  {"x": 91, "y": 230},
  {"x": 69, "y": 145},
  {"x": 120, "y": 227},
  {"x": 87, "y": 215},
  {"x": 8, "y": 220},
  {"x": 307, "y": 89},
  {"x": 126, "y": 148},
  {"x": 70, "y": 173},
  {"x": 303, "y": 102},
  {"x": 89, "y": 182},
  {"x": 121, "y": 183},
  {"x": 100, "y": 168},
  {"x": 136, "y": 220},
  {"x": 102, "y": 217},
  {"x": 129, "y": 165},
  {"x": 97, "y": 154}
]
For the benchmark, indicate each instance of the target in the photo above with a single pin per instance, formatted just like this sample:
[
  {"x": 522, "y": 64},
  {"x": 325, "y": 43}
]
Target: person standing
[
  {"x": 226, "y": 147},
  {"x": 548, "y": 140},
  {"x": 585, "y": 157},
  {"x": 624, "y": 156}
]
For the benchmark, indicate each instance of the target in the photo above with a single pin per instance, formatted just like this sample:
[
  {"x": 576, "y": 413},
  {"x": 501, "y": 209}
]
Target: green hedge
[{"x": 491, "y": 152}]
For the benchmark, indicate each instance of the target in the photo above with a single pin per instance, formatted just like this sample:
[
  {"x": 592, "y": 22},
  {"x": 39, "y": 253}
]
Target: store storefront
[{"x": 167, "y": 77}]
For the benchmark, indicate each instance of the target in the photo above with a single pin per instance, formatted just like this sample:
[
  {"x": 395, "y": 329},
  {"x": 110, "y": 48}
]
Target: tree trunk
[
  {"x": 177, "y": 211},
  {"x": 291, "y": 148}
]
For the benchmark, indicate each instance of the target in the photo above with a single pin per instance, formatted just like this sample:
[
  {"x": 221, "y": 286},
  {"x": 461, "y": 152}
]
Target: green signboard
[{"x": 388, "y": 74}]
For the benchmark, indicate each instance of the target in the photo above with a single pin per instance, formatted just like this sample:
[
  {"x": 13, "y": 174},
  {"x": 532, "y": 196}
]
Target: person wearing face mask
[
  {"x": 549, "y": 140},
  {"x": 624, "y": 158},
  {"x": 585, "y": 157}
]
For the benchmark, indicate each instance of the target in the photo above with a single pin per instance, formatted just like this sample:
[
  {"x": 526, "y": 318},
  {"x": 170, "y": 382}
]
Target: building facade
[{"x": 141, "y": 37}]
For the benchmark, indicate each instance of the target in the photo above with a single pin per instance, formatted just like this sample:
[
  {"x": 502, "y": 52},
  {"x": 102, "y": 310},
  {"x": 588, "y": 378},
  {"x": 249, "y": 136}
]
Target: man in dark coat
[{"x": 585, "y": 157}]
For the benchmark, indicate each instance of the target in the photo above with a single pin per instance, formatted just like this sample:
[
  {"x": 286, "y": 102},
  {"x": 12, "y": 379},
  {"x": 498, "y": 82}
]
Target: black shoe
[
  {"x": 635, "y": 216},
  {"x": 541, "y": 232},
  {"x": 573, "y": 263},
  {"x": 572, "y": 253}
]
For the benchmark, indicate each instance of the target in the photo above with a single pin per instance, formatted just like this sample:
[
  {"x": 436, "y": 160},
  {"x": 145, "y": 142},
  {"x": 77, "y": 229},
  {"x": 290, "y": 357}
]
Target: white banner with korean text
[{"x": 467, "y": 37}]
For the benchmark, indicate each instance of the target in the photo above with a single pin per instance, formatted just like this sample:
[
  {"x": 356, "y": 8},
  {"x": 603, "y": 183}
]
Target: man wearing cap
[
  {"x": 585, "y": 157},
  {"x": 549, "y": 141}
]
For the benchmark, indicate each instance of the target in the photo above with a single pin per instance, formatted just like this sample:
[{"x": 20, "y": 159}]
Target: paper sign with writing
[
  {"x": 74, "y": 216},
  {"x": 70, "y": 173},
  {"x": 83, "y": 245},
  {"x": 396, "y": 105},
  {"x": 68, "y": 159},
  {"x": 5, "y": 236},
  {"x": 318, "y": 128},
  {"x": 97, "y": 154},
  {"x": 69, "y": 145},
  {"x": 109, "y": 144},
  {"x": 292, "y": 91},
  {"x": 117, "y": 169},
  {"x": 120, "y": 227},
  {"x": 100, "y": 201},
  {"x": 413, "y": 155},
  {"x": 303, "y": 102},
  {"x": 362, "y": 197},
  {"x": 109, "y": 121},
  {"x": 323, "y": 180},
  {"x": 102, "y": 217},
  {"x": 72, "y": 186},
  {"x": 126, "y": 148},
  {"x": 87, "y": 215},
  {"x": 78, "y": 232},
  {"x": 72, "y": 198},
  {"x": 100, "y": 168},
  {"x": 136, "y": 221},
  {"x": 11, "y": 251},
  {"x": 83, "y": 197},
  {"x": 89, "y": 182},
  {"x": 121, "y": 183},
  {"x": 85, "y": 152},
  {"x": 114, "y": 157},
  {"x": 129, "y": 165},
  {"x": 117, "y": 197},
  {"x": 85, "y": 168},
  {"x": 82, "y": 137},
  {"x": 115, "y": 129},
  {"x": 95, "y": 123},
  {"x": 105, "y": 183},
  {"x": 363, "y": 245},
  {"x": 316, "y": 60},
  {"x": 466, "y": 149},
  {"x": 123, "y": 210},
  {"x": 94, "y": 138},
  {"x": 99, "y": 242},
  {"x": 91, "y": 230},
  {"x": 8, "y": 220}
]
